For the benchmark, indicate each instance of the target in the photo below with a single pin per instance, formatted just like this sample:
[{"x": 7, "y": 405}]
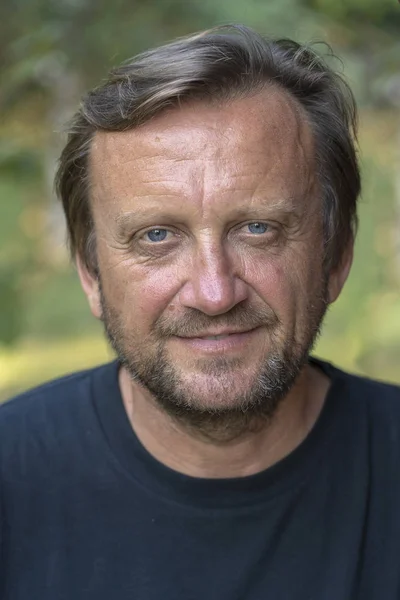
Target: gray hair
[{"x": 221, "y": 63}]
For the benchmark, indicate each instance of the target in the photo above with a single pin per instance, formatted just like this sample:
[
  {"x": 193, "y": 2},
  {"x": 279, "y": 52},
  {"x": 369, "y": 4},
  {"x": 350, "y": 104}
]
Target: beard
[{"x": 215, "y": 410}]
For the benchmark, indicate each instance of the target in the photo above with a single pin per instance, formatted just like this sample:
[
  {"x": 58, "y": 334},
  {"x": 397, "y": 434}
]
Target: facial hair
[{"x": 245, "y": 411}]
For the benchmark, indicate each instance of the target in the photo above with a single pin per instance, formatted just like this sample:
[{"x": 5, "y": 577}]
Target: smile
[
  {"x": 234, "y": 341},
  {"x": 215, "y": 337}
]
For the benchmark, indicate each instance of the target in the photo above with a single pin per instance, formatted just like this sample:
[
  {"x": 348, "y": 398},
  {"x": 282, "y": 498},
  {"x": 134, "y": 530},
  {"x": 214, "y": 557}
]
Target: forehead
[{"x": 261, "y": 142}]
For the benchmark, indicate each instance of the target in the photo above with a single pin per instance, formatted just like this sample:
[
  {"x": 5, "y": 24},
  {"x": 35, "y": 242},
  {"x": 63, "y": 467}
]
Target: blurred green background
[{"x": 51, "y": 51}]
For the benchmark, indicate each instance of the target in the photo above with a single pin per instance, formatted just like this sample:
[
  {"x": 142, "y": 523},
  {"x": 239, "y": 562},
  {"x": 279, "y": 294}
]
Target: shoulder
[
  {"x": 379, "y": 420},
  {"x": 373, "y": 403},
  {"x": 380, "y": 394},
  {"x": 50, "y": 396},
  {"x": 375, "y": 400},
  {"x": 382, "y": 401},
  {"x": 46, "y": 420},
  {"x": 381, "y": 397}
]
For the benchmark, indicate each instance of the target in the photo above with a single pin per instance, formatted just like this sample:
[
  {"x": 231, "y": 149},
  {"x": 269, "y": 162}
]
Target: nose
[{"x": 213, "y": 286}]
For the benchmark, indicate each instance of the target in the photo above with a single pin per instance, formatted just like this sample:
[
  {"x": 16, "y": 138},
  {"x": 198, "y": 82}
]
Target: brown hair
[{"x": 221, "y": 63}]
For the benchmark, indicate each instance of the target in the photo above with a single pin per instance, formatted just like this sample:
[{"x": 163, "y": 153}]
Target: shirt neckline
[{"x": 230, "y": 493}]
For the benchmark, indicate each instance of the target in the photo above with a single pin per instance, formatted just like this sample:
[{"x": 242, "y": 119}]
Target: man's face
[{"x": 208, "y": 224}]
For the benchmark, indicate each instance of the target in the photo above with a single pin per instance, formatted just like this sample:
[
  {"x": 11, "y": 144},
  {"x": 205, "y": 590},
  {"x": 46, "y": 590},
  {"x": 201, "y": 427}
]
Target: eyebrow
[
  {"x": 287, "y": 208},
  {"x": 126, "y": 220}
]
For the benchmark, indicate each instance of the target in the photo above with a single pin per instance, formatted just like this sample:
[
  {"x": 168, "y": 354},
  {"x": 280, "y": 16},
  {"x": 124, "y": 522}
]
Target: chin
[{"x": 206, "y": 392}]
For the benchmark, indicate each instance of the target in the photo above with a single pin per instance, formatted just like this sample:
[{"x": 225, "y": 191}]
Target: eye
[
  {"x": 257, "y": 227},
  {"x": 156, "y": 235}
]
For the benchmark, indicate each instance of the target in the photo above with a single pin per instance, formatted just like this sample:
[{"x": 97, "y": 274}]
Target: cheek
[
  {"x": 140, "y": 294},
  {"x": 286, "y": 285},
  {"x": 277, "y": 288}
]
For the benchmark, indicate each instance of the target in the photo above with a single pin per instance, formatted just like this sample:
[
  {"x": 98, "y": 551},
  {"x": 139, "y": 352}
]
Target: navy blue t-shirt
[{"x": 88, "y": 514}]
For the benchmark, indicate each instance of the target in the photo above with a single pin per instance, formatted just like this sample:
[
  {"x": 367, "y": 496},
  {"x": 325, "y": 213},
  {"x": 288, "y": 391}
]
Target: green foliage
[
  {"x": 18, "y": 178},
  {"x": 10, "y": 307},
  {"x": 16, "y": 162},
  {"x": 57, "y": 307},
  {"x": 385, "y": 13}
]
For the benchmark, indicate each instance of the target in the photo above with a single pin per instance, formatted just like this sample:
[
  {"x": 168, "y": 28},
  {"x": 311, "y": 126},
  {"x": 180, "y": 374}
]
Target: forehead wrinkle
[
  {"x": 283, "y": 207},
  {"x": 278, "y": 143}
]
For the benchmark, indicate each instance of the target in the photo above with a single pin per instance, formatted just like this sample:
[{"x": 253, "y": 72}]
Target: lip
[
  {"x": 233, "y": 341},
  {"x": 216, "y": 333}
]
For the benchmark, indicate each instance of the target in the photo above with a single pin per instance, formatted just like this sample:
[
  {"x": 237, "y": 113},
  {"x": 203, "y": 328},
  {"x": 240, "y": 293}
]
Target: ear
[
  {"x": 90, "y": 285},
  {"x": 338, "y": 276}
]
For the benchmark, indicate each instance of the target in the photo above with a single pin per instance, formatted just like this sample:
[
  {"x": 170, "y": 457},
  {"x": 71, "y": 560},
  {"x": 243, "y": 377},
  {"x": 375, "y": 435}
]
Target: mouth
[
  {"x": 218, "y": 335},
  {"x": 227, "y": 341},
  {"x": 215, "y": 337}
]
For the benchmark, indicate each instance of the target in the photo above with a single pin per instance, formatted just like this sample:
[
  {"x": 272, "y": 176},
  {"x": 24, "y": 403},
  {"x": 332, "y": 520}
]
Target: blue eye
[
  {"x": 257, "y": 227},
  {"x": 157, "y": 235}
]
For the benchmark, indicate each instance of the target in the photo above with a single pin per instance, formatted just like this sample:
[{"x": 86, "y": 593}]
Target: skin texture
[{"x": 208, "y": 220}]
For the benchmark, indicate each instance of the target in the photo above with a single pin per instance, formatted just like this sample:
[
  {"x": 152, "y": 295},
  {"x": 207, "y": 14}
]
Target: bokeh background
[{"x": 51, "y": 51}]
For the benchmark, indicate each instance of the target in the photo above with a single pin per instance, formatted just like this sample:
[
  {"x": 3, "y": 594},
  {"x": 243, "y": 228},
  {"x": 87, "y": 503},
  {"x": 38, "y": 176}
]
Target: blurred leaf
[
  {"x": 18, "y": 162},
  {"x": 10, "y": 307}
]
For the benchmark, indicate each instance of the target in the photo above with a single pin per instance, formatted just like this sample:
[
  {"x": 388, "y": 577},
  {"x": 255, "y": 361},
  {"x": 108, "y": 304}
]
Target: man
[{"x": 210, "y": 192}]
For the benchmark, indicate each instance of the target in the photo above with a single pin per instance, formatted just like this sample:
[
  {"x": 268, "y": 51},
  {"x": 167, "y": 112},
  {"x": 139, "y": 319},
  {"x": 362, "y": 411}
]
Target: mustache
[{"x": 193, "y": 322}]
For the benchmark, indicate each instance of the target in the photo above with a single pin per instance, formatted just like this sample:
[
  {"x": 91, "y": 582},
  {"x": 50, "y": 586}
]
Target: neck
[{"x": 254, "y": 449}]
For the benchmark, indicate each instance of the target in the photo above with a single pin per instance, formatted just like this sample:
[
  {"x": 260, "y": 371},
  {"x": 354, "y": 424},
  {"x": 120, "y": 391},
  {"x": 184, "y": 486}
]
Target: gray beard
[{"x": 250, "y": 411}]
